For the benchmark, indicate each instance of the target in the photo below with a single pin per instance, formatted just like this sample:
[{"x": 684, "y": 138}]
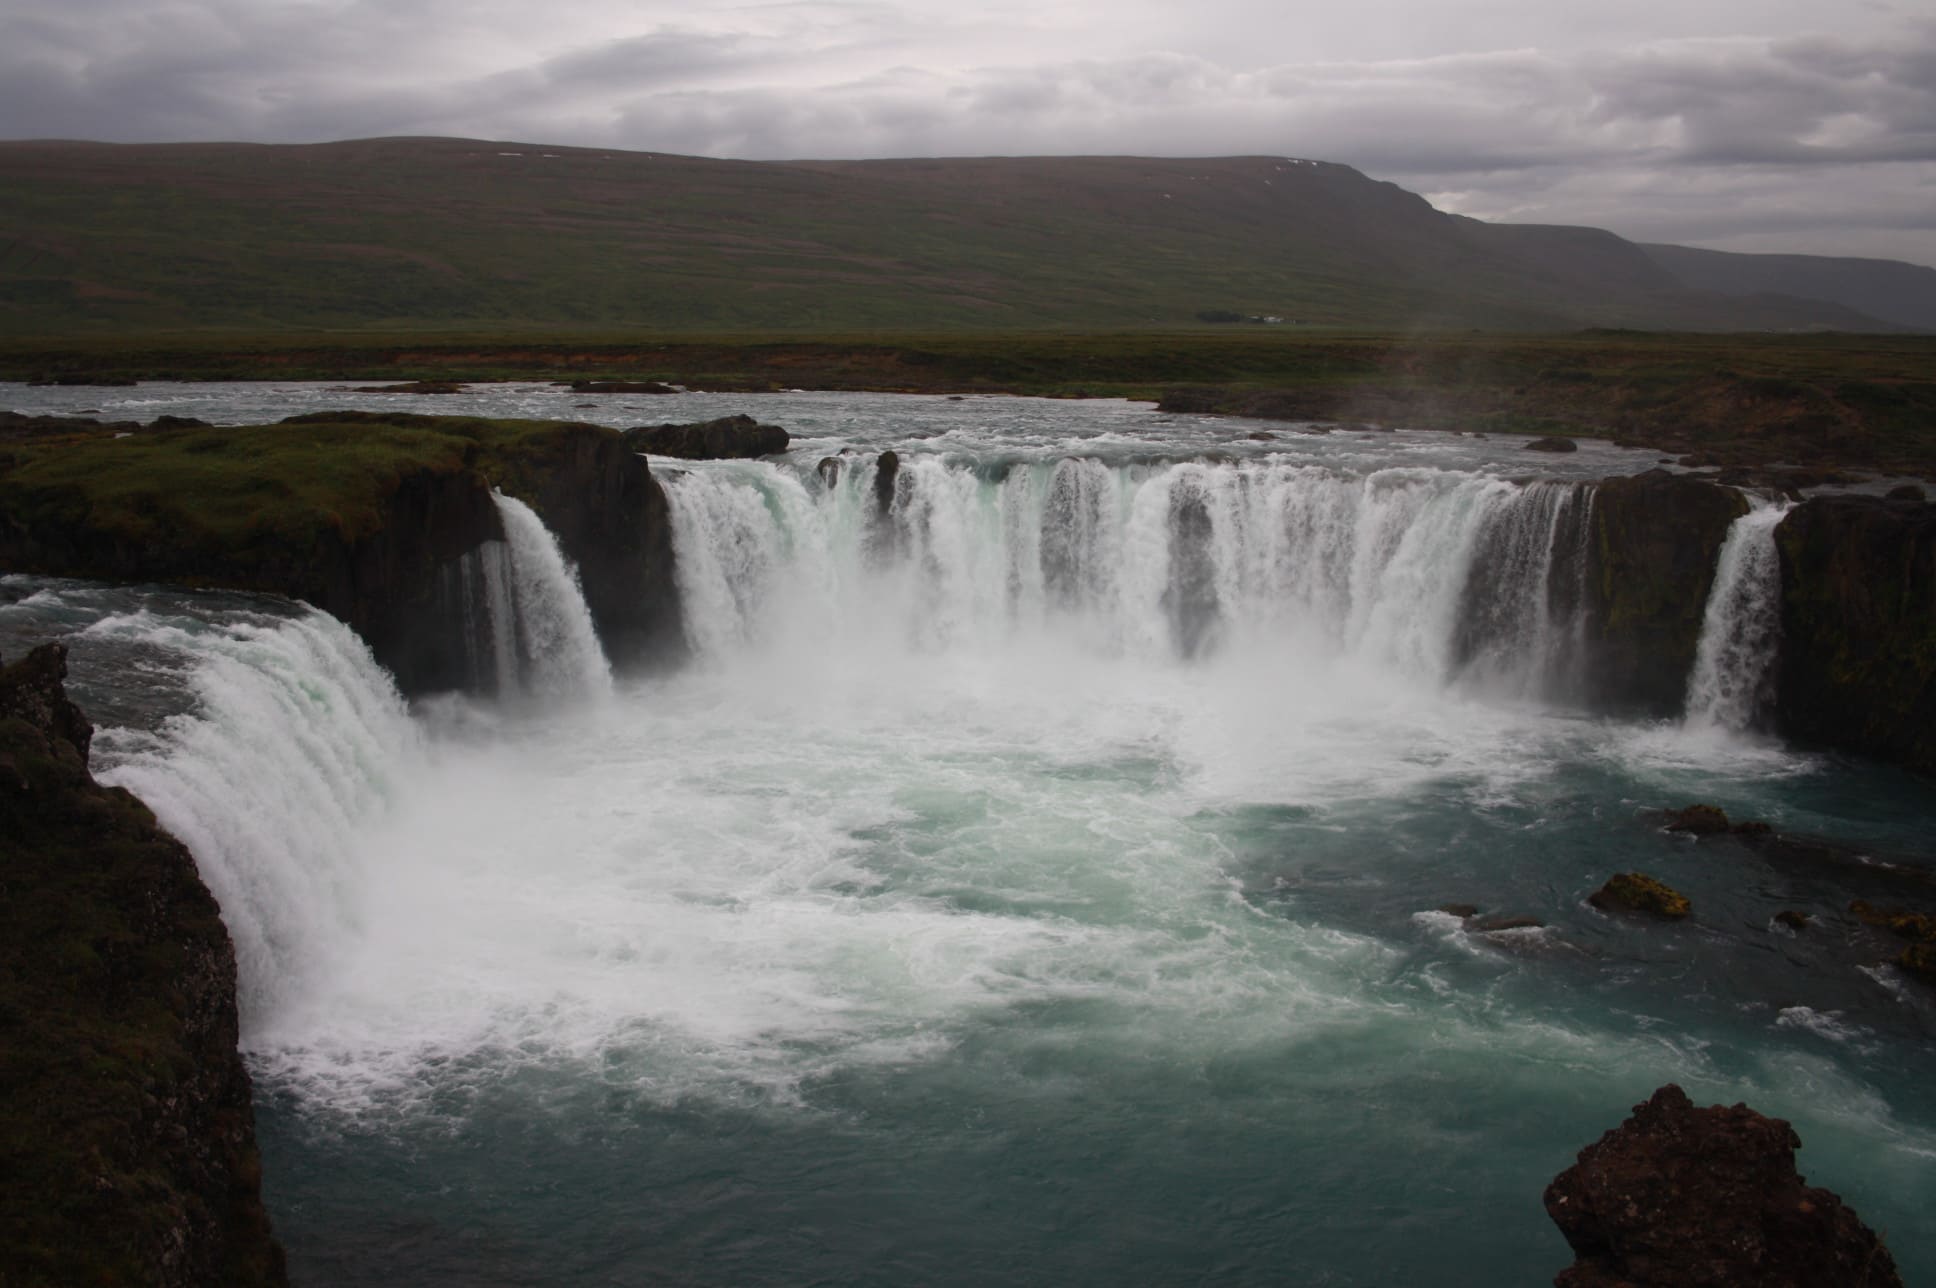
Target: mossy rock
[
  {"x": 1919, "y": 959},
  {"x": 1917, "y": 926},
  {"x": 1638, "y": 892}
]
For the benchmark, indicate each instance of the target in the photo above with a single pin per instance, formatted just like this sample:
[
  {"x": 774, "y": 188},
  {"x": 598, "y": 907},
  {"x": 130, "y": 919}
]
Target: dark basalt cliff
[
  {"x": 127, "y": 1140},
  {"x": 611, "y": 518},
  {"x": 1652, "y": 542},
  {"x": 727, "y": 438},
  {"x": 369, "y": 517},
  {"x": 1680, "y": 1197},
  {"x": 1858, "y": 654}
]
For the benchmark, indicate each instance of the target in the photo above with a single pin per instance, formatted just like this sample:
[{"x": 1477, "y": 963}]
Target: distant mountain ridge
[
  {"x": 1888, "y": 289},
  {"x": 460, "y": 233}
]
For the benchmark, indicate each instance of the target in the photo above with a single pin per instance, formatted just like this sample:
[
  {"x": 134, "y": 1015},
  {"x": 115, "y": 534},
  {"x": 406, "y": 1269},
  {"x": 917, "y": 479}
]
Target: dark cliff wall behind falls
[
  {"x": 1652, "y": 542},
  {"x": 127, "y": 1137},
  {"x": 612, "y": 520},
  {"x": 1858, "y": 617}
]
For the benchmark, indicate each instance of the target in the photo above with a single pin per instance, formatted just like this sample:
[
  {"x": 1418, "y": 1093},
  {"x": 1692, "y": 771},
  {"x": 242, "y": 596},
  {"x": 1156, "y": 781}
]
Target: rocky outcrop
[
  {"x": 1919, "y": 928},
  {"x": 1552, "y": 443},
  {"x": 391, "y": 581},
  {"x": 1858, "y": 619},
  {"x": 1680, "y": 1197},
  {"x": 383, "y": 547},
  {"x": 1636, "y": 892},
  {"x": 621, "y": 387},
  {"x": 1652, "y": 542},
  {"x": 1698, "y": 820},
  {"x": 887, "y": 472},
  {"x": 613, "y": 521},
  {"x": 728, "y": 438},
  {"x": 127, "y": 1136}
]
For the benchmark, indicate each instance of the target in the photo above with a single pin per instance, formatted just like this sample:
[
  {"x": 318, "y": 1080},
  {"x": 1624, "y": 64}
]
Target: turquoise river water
[{"x": 1037, "y": 883}]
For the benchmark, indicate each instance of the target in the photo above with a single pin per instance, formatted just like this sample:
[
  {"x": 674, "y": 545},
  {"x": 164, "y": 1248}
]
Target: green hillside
[{"x": 451, "y": 233}]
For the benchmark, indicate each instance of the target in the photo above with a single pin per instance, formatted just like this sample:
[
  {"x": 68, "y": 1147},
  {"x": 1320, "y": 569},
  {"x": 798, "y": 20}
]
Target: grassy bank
[
  {"x": 1864, "y": 401},
  {"x": 237, "y": 488}
]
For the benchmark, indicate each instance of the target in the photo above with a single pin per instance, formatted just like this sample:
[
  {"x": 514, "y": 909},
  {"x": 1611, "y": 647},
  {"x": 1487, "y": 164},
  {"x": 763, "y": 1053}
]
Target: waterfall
[
  {"x": 295, "y": 742},
  {"x": 1731, "y": 683},
  {"x": 541, "y": 631},
  {"x": 1519, "y": 617},
  {"x": 1435, "y": 574}
]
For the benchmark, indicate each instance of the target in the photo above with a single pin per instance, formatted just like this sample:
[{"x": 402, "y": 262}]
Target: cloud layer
[{"x": 1792, "y": 141}]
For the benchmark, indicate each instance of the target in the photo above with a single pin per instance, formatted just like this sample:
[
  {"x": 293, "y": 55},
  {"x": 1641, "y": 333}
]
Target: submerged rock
[
  {"x": 1638, "y": 892},
  {"x": 1698, "y": 820},
  {"x": 1552, "y": 443},
  {"x": 622, "y": 387},
  {"x": 127, "y": 1133},
  {"x": 413, "y": 387},
  {"x": 1917, "y": 927},
  {"x": 1793, "y": 918},
  {"x": 1493, "y": 925},
  {"x": 727, "y": 438},
  {"x": 1679, "y": 1196}
]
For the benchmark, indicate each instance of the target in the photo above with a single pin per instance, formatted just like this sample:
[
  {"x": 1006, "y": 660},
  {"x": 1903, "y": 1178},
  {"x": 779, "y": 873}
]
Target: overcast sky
[{"x": 1762, "y": 125}]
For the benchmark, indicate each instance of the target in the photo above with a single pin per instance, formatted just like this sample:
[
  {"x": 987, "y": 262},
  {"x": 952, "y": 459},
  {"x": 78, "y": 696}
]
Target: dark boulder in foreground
[
  {"x": 1680, "y": 1197},
  {"x": 127, "y": 1135},
  {"x": 1858, "y": 622},
  {"x": 728, "y": 438}
]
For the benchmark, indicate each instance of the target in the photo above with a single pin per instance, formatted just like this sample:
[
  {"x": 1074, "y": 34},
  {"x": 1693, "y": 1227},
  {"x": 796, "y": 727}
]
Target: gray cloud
[{"x": 1709, "y": 138}]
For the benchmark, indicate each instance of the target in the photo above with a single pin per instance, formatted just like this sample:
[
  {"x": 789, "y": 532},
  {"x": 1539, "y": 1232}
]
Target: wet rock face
[
  {"x": 613, "y": 521},
  {"x": 1636, "y": 892},
  {"x": 1858, "y": 620},
  {"x": 1698, "y": 820},
  {"x": 127, "y": 1133},
  {"x": 1652, "y": 544},
  {"x": 1677, "y": 1197},
  {"x": 728, "y": 438}
]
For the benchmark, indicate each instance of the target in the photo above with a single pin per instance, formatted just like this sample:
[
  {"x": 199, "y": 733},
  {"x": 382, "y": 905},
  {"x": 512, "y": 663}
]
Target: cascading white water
[
  {"x": 1729, "y": 686},
  {"x": 1083, "y": 796},
  {"x": 541, "y": 629},
  {"x": 1157, "y": 560},
  {"x": 297, "y": 740}
]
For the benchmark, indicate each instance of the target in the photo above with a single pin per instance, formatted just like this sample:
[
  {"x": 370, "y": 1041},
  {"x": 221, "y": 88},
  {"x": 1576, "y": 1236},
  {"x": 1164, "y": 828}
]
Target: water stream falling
[
  {"x": 543, "y": 639},
  {"x": 1157, "y": 560},
  {"x": 1731, "y": 685},
  {"x": 1034, "y": 879},
  {"x": 294, "y": 740}
]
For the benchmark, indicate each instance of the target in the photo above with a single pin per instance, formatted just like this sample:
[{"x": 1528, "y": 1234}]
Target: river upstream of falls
[{"x": 1035, "y": 885}]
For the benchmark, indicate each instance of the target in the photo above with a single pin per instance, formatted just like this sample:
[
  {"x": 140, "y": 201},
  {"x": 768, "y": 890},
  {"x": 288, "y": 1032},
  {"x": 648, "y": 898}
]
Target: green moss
[
  {"x": 243, "y": 487},
  {"x": 1638, "y": 892}
]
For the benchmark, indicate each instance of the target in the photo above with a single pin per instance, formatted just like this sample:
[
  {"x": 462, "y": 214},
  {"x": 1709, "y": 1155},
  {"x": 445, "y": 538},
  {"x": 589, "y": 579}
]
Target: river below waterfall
[{"x": 1034, "y": 879}]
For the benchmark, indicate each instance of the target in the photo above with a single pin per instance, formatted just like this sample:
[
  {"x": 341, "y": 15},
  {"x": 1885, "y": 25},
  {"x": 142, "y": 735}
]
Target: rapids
[{"x": 1036, "y": 881}]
